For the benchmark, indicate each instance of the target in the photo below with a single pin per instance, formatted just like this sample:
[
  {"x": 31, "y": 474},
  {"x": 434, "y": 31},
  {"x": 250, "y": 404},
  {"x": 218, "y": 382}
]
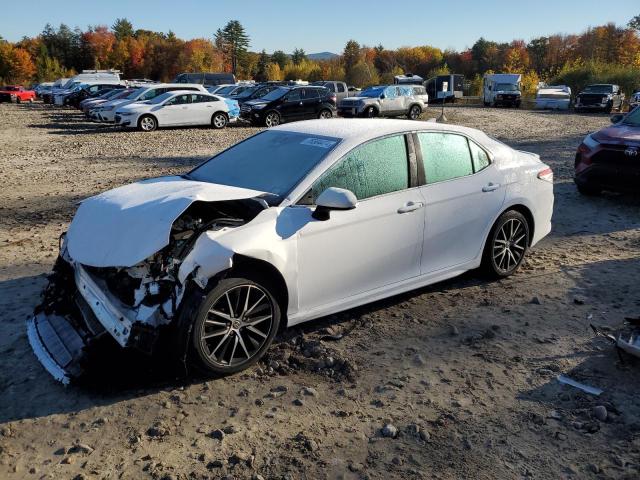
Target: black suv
[
  {"x": 604, "y": 96},
  {"x": 93, "y": 90},
  {"x": 285, "y": 104}
]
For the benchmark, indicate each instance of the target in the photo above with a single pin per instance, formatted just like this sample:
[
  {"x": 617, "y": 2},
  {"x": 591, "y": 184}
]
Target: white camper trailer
[{"x": 502, "y": 89}]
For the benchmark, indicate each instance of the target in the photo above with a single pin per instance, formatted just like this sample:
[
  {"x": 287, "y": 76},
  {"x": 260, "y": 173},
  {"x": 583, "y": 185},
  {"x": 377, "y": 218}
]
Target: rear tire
[
  {"x": 18, "y": 100},
  {"x": 506, "y": 245},
  {"x": 219, "y": 120},
  {"x": 147, "y": 123},
  {"x": 234, "y": 325},
  {"x": 325, "y": 114},
  {"x": 414, "y": 112}
]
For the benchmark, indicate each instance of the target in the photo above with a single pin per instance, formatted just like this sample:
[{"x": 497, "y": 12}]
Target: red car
[
  {"x": 609, "y": 159},
  {"x": 16, "y": 93}
]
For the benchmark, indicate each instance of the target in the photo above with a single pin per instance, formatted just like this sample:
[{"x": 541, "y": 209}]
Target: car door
[
  {"x": 174, "y": 111},
  {"x": 291, "y": 107},
  {"x": 464, "y": 193},
  {"x": 376, "y": 244},
  {"x": 200, "y": 109},
  {"x": 310, "y": 102},
  {"x": 392, "y": 102}
]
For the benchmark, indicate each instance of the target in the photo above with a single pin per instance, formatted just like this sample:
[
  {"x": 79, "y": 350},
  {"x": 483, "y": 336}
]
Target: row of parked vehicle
[{"x": 146, "y": 105}]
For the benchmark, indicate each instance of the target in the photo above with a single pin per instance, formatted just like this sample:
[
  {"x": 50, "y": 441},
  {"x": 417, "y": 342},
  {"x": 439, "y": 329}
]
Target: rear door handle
[
  {"x": 491, "y": 187},
  {"x": 410, "y": 207}
]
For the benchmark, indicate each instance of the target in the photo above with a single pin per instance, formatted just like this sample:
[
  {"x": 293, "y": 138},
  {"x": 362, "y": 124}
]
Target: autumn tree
[
  {"x": 280, "y": 58},
  {"x": 298, "y": 56},
  {"x": 273, "y": 72},
  {"x": 233, "y": 41}
]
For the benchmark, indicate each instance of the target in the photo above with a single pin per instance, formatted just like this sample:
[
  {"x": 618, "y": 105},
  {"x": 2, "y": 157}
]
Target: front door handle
[
  {"x": 491, "y": 187},
  {"x": 410, "y": 207}
]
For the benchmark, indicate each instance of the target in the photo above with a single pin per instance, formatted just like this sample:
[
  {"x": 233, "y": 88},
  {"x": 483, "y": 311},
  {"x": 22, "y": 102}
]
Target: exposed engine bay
[{"x": 83, "y": 302}]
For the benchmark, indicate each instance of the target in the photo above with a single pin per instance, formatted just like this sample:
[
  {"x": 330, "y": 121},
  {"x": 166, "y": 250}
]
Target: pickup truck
[
  {"x": 339, "y": 88},
  {"x": 605, "y": 97},
  {"x": 17, "y": 94}
]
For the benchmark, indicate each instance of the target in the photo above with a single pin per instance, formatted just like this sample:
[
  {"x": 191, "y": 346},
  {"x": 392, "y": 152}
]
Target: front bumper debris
[{"x": 58, "y": 346}]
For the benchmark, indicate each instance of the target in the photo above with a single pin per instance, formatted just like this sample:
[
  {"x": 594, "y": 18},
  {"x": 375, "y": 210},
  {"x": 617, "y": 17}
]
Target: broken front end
[{"x": 132, "y": 305}]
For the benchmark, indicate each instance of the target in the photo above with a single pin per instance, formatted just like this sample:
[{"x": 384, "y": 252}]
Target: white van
[{"x": 502, "y": 89}]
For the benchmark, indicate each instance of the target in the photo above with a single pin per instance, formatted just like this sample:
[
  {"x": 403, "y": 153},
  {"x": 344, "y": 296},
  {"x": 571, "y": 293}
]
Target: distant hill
[{"x": 322, "y": 56}]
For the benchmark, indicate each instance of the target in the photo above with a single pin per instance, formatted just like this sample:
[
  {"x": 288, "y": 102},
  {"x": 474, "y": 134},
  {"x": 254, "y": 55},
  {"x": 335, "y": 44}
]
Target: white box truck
[{"x": 502, "y": 89}]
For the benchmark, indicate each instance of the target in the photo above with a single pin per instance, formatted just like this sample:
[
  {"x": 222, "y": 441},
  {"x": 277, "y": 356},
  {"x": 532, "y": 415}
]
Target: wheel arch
[
  {"x": 147, "y": 115},
  {"x": 219, "y": 111},
  {"x": 243, "y": 264},
  {"x": 526, "y": 212}
]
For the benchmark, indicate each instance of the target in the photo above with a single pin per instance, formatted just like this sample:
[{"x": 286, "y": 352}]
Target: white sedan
[
  {"x": 178, "y": 108},
  {"x": 294, "y": 223}
]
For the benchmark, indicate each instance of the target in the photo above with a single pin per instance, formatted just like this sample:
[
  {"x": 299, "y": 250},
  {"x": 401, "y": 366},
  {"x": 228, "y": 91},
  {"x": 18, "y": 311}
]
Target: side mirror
[
  {"x": 617, "y": 117},
  {"x": 382, "y": 97},
  {"x": 333, "y": 199}
]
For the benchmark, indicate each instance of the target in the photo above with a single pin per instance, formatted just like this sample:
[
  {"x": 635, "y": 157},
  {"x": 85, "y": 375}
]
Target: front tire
[
  {"x": 147, "y": 123},
  {"x": 272, "y": 119},
  {"x": 325, "y": 114},
  {"x": 219, "y": 120},
  {"x": 370, "y": 112},
  {"x": 507, "y": 245},
  {"x": 234, "y": 325}
]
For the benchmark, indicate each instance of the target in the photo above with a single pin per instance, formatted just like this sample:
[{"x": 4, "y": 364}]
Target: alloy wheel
[
  {"x": 326, "y": 114},
  {"x": 414, "y": 113},
  {"x": 147, "y": 124},
  {"x": 509, "y": 245},
  {"x": 219, "y": 121},
  {"x": 272, "y": 120},
  {"x": 237, "y": 325}
]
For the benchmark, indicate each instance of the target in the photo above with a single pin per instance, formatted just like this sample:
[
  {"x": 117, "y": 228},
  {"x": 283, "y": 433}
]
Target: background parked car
[
  {"x": 634, "y": 101},
  {"x": 285, "y": 104},
  {"x": 231, "y": 90},
  {"x": 92, "y": 102},
  {"x": 206, "y": 79},
  {"x": 107, "y": 111},
  {"x": 555, "y": 97},
  {"x": 383, "y": 101},
  {"x": 604, "y": 97},
  {"x": 253, "y": 93},
  {"x": 17, "y": 94},
  {"x": 609, "y": 159},
  {"x": 90, "y": 91},
  {"x": 178, "y": 108},
  {"x": 502, "y": 89},
  {"x": 339, "y": 88}
]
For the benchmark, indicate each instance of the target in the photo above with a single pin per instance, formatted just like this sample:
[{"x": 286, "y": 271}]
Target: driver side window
[{"x": 375, "y": 168}]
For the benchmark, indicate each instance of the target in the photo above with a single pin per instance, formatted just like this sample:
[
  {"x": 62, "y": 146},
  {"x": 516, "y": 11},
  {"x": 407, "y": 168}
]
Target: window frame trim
[
  {"x": 422, "y": 179},
  {"x": 412, "y": 167}
]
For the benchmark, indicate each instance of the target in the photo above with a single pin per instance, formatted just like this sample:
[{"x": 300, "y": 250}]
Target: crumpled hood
[
  {"x": 619, "y": 134},
  {"x": 124, "y": 226}
]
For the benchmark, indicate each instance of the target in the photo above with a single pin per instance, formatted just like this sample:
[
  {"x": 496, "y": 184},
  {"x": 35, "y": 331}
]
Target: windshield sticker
[{"x": 318, "y": 142}]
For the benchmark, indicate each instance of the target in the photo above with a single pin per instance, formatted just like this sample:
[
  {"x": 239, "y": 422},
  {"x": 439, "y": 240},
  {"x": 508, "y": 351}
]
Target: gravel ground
[{"x": 457, "y": 380}]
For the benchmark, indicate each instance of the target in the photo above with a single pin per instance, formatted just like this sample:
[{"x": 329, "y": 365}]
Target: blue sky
[{"x": 326, "y": 25}]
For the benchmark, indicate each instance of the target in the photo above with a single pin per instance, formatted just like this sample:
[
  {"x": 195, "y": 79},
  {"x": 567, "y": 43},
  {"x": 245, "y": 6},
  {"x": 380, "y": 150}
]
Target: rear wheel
[
  {"x": 219, "y": 120},
  {"x": 234, "y": 325},
  {"x": 370, "y": 112},
  {"x": 147, "y": 123},
  {"x": 18, "y": 100},
  {"x": 414, "y": 112},
  {"x": 507, "y": 244},
  {"x": 325, "y": 114},
  {"x": 272, "y": 119}
]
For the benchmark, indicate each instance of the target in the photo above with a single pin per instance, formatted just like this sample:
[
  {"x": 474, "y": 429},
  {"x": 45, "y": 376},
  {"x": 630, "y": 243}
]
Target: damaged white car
[{"x": 291, "y": 224}]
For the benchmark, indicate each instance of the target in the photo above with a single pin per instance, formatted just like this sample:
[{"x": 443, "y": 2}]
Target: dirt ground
[{"x": 462, "y": 373}]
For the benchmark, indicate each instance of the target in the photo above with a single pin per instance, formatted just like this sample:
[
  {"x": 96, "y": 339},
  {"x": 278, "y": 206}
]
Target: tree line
[{"x": 604, "y": 53}]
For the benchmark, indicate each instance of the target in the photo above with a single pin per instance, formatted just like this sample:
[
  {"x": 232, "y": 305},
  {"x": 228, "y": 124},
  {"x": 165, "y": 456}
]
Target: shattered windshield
[
  {"x": 371, "y": 92},
  {"x": 272, "y": 161}
]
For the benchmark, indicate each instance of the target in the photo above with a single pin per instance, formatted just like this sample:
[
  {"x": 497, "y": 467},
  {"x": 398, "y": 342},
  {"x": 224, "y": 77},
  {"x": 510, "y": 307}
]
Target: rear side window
[
  {"x": 372, "y": 169},
  {"x": 293, "y": 95},
  {"x": 330, "y": 86},
  {"x": 313, "y": 93},
  {"x": 479, "y": 157},
  {"x": 445, "y": 156}
]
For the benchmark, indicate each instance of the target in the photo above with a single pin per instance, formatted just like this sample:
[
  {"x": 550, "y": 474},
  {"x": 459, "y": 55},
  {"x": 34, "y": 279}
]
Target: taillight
[
  {"x": 333, "y": 97},
  {"x": 546, "y": 175}
]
